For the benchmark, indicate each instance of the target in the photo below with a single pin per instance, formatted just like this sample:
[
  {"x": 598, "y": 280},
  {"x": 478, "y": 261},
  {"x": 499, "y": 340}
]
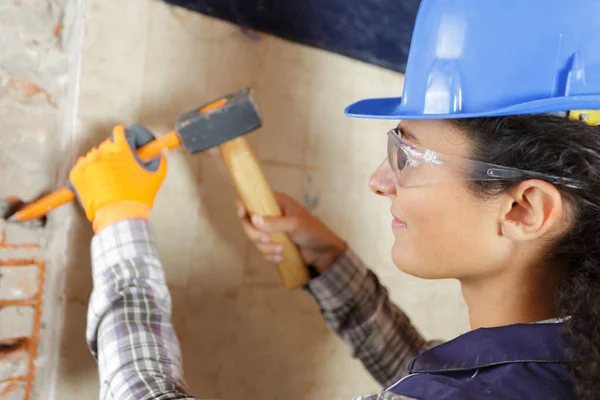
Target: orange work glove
[{"x": 112, "y": 183}]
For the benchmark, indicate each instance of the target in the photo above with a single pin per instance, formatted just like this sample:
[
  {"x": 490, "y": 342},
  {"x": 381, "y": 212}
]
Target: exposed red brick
[
  {"x": 58, "y": 30},
  {"x": 30, "y": 344},
  {"x": 30, "y": 89},
  {"x": 4, "y": 244}
]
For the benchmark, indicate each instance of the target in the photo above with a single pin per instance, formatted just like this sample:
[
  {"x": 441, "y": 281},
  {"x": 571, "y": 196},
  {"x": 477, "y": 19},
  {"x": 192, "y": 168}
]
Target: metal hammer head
[{"x": 218, "y": 122}]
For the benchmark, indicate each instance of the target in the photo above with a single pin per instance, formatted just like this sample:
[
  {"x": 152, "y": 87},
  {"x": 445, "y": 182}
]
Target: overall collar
[{"x": 543, "y": 342}]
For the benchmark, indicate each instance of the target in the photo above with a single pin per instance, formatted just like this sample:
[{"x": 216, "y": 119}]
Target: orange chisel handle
[{"x": 48, "y": 203}]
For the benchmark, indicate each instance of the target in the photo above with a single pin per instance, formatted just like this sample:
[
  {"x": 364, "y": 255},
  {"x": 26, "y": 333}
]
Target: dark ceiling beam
[{"x": 374, "y": 31}]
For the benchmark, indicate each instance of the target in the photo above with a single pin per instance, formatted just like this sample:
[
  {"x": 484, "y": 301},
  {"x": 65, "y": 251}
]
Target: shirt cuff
[
  {"x": 124, "y": 240},
  {"x": 342, "y": 283}
]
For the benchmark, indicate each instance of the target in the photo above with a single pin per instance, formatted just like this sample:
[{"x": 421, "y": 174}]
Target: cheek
[{"x": 449, "y": 234}]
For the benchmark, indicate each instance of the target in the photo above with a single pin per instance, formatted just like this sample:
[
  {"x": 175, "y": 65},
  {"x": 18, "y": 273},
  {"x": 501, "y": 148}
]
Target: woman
[{"x": 492, "y": 182}]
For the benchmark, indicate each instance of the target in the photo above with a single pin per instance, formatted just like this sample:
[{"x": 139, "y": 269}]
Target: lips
[{"x": 398, "y": 224}]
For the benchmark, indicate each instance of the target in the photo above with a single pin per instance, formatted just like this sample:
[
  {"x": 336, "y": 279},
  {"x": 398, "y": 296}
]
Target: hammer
[{"x": 222, "y": 122}]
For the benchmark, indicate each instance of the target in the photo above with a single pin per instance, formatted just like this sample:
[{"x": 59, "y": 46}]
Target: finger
[
  {"x": 118, "y": 135},
  {"x": 241, "y": 210},
  {"x": 269, "y": 250},
  {"x": 93, "y": 154},
  {"x": 254, "y": 234},
  {"x": 275, "y": 224},
  {"x": 80, "y": 161},
  {"x": 162, "y": 166},
  {"x": 139, "y": 135},
  {"x": 274, "y": 258}
]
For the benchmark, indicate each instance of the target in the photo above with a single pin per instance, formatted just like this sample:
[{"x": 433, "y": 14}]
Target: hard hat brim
[{"x": 391, "y": 108}]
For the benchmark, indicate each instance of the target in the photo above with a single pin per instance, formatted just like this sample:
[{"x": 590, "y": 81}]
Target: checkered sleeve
[
  {"x": 129, "y": 329},
  {"x": 357, "y": 307}
]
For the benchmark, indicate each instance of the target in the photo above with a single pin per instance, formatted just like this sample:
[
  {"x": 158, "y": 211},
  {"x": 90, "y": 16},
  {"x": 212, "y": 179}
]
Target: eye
[{"x": 401, "y": 159}]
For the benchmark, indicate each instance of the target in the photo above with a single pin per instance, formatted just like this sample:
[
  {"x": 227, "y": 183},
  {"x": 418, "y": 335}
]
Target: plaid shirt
[{"x": 130, "y": 334}]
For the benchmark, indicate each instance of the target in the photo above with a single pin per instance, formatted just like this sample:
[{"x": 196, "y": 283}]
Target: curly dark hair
[{"x": 555, "y": 145}]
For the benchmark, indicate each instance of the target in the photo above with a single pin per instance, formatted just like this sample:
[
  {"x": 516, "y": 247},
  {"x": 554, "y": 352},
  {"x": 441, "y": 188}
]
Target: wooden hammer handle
[{"x": 258, "y": 198}]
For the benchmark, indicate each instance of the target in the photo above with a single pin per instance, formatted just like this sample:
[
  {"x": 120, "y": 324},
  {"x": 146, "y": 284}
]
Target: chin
[{"x": 407, "y": 263}]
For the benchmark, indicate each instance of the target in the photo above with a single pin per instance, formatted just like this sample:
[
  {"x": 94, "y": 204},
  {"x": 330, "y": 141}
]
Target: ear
[{"x": 532, "y": 209}]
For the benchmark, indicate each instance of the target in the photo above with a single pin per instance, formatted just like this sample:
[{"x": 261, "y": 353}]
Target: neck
[{"x": 518, "y": 295}]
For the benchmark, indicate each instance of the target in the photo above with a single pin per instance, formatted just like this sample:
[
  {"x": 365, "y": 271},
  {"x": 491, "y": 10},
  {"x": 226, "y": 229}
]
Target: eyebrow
[{"x": 407, "y": 134}]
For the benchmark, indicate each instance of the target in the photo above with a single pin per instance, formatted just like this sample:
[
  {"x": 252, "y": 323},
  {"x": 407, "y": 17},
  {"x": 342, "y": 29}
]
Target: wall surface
[
  {"x": 39, "y": 58},
  {"x": 243, "y": 335}
]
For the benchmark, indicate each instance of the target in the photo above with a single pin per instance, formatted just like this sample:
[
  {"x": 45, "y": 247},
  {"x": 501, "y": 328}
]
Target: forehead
[{"x": 436, "y": 135}]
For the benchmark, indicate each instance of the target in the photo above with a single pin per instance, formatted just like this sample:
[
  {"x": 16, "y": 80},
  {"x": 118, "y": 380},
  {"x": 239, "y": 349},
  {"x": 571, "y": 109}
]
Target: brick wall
[{"x": 38, "y": 68}]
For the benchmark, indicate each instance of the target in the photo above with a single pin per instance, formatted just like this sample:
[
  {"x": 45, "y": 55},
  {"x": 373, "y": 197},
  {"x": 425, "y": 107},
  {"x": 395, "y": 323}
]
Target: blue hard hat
[{"x": 480, "y": 58}]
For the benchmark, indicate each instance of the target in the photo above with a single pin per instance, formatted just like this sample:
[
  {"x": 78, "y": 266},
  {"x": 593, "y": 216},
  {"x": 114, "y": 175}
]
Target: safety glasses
[{"x": 413, "y": 166}]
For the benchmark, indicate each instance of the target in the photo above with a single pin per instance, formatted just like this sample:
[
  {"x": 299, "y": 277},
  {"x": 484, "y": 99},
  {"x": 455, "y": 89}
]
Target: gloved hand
[{"x": 112, "y": 183}]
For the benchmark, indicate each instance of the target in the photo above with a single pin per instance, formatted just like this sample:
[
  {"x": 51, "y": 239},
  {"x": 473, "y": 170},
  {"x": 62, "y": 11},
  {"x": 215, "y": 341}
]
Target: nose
[{"x": 383, "y": 181}]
